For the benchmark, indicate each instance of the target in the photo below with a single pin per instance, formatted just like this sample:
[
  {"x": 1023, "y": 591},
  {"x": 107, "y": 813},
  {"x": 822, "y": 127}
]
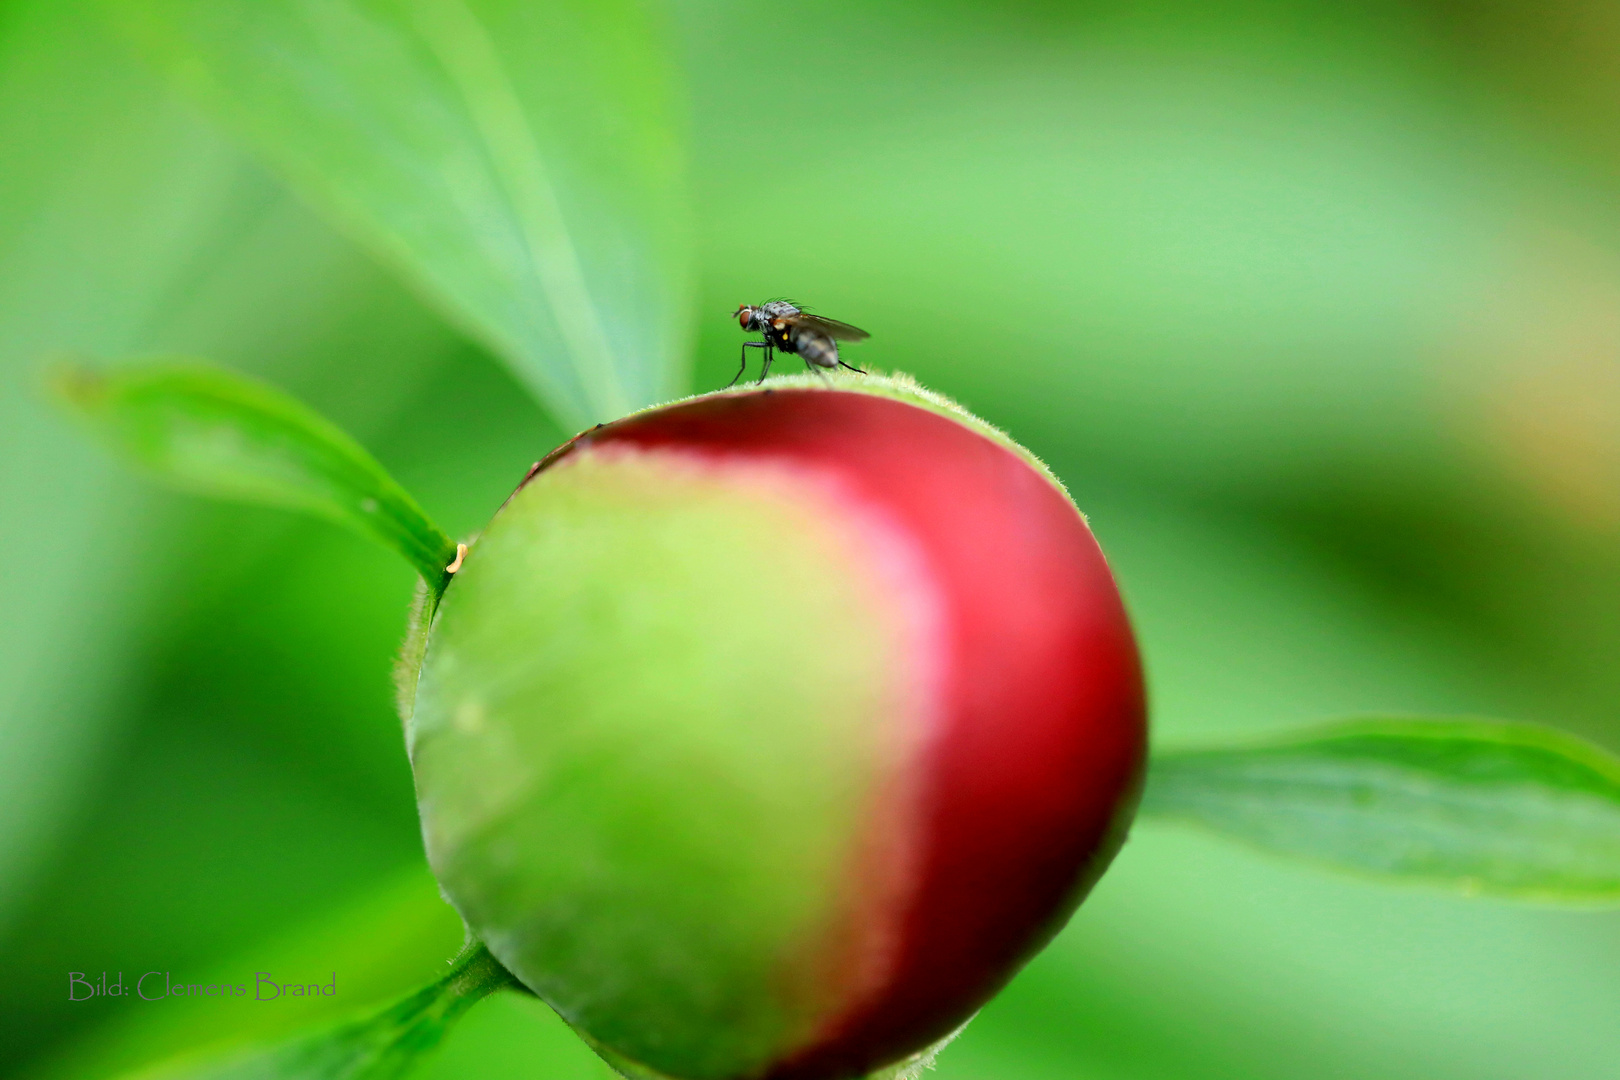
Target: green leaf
[
  {"x": 377, "y": 1047},
  {"x": 218, "y": 433},
  {"x": 1511, "y": 810},
  {"x": 520, "y": 161}
]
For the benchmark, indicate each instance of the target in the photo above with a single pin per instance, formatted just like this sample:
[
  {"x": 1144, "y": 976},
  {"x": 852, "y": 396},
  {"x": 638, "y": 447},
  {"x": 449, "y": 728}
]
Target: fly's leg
[
  {"x": 766, "y": 368},
  {"x": 851, "y": 367},
  {"x": 744, "y": 367}
]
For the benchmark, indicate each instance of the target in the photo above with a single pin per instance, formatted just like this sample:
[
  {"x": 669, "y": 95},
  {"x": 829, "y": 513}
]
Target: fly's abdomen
[{"x": 816, "y": 349}]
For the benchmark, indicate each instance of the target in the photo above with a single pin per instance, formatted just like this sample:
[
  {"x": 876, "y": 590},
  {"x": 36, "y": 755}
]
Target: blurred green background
[{"x": 1316, "y": 308}]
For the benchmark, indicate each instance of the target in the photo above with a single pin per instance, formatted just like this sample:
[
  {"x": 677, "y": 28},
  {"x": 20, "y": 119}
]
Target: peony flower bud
[{"x": 767, "y": 733}]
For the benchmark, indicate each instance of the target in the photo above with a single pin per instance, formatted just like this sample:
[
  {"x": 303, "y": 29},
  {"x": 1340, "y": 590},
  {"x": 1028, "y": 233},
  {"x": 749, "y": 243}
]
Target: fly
[{"x": 809, "y": 337}]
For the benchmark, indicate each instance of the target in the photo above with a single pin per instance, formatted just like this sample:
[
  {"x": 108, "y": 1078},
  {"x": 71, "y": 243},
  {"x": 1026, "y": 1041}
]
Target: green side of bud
[{"x": 661, "y": 857}]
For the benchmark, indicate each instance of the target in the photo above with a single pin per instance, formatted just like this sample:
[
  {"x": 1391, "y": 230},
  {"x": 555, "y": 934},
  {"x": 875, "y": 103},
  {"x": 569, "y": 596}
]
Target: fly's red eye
[{"x": 745, "y": 315}]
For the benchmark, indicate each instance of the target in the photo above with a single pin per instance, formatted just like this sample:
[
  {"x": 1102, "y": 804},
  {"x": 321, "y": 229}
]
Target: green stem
[
  {"x": 382, "y": 1046},
  {"x": 409, "y": 1028}
]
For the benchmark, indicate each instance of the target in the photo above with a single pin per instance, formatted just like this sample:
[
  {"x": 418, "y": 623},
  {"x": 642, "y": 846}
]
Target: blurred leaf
[
  {"x": 520, "y": 161},
  {"x": 377, "y": 1047},
  {"x": 1509, "y": 810},
  {"x": 218, "y": 433},
  {"x": 381, "y": 945}
]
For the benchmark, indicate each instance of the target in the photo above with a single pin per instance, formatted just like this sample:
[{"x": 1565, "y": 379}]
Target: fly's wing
[{"x": 826, "y": 327}]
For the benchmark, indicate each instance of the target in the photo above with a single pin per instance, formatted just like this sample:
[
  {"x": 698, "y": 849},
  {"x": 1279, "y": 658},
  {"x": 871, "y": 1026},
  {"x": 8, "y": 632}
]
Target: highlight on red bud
[{"x": 766, "y": 734}]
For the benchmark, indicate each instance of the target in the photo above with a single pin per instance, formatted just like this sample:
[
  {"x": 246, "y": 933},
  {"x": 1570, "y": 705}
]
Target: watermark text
[{"x": 162, "y": 985}]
